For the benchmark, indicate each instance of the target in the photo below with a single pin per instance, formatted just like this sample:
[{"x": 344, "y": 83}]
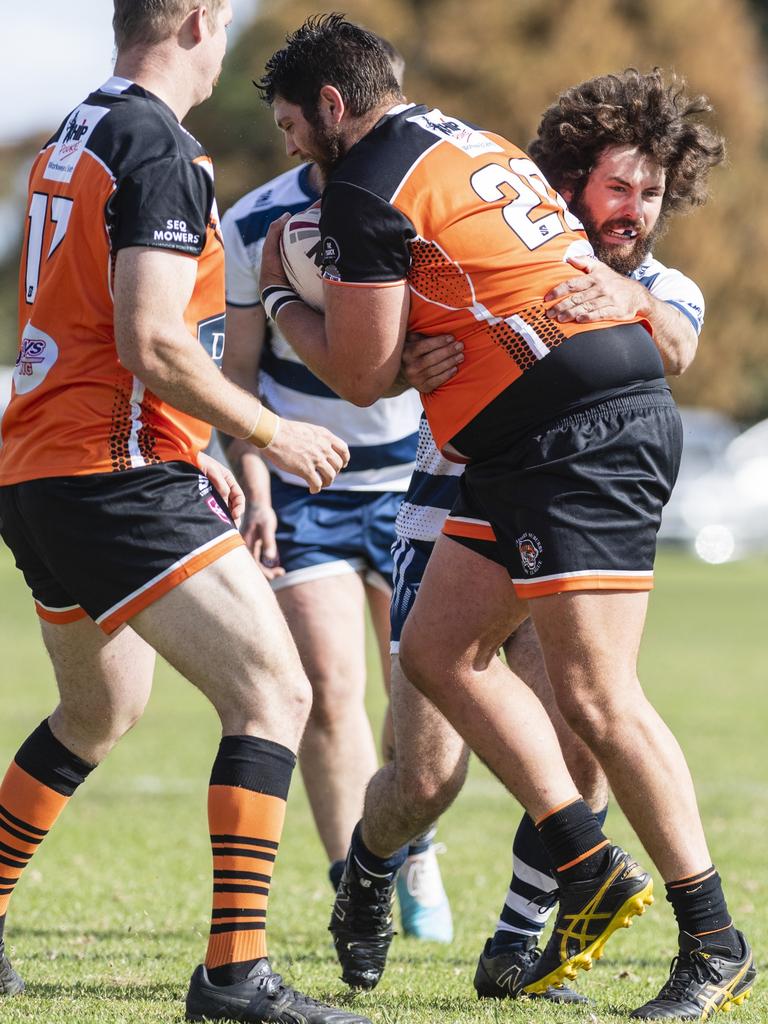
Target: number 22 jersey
[
  {"x": 473, "y": 227},
  {"x": 120, "y": 171}
]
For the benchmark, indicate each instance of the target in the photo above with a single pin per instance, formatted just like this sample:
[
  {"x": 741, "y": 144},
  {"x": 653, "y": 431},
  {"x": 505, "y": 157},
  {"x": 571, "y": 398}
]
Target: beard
[
  {"x": 327, "y": 149},
  {"x": 624, "y": 259}
]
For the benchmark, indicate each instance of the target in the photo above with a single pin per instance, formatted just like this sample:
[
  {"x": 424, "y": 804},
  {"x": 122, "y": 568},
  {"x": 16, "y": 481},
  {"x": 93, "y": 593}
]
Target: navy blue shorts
[
  {"x": 410, "y": 560},
  {"x": 334, "y": 532}
]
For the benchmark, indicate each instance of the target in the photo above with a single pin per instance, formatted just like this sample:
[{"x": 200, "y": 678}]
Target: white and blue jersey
[
  {"x": 435, "y": 483},
  {"x": 382, "y": 438},
  {"x": 349, "y": 526}
]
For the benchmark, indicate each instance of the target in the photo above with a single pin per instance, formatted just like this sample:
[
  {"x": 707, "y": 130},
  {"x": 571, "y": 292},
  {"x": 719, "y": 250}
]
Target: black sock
[
  {"x": 574, "y": 842},
  {"x": 378, "y": 869},
  {"x": 700, "y": 909},
  {"x": 335, "y": 871},
  {"x": 514, "y": 929}
]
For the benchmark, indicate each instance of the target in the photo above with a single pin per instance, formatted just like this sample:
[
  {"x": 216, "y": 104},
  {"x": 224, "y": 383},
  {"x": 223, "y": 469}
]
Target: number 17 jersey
[
  {"x": 120, "y": 172},
  {"x": 473, "y": 227}
]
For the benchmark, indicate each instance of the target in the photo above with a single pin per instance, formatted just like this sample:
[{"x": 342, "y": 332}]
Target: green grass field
[{"x": 112, "y": 914}]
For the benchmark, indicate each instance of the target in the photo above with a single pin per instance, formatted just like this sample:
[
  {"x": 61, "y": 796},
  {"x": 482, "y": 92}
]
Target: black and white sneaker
[
  {"x": 10, "y": 982},
  {"x": 703, "y": 979},
  {"x": 361, "y": 925},
  {"x": 261, "y": 999},
  {"x": 503, "y": 975}
]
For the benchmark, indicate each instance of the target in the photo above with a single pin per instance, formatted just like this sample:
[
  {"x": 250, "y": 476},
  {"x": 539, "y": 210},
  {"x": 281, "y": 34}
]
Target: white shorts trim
[
  {"x": 326, "y": 570},
  {"x": 606, "y": 573},
  {"x": 166, "y": 572},
  {"x": 339, "y": 567}
]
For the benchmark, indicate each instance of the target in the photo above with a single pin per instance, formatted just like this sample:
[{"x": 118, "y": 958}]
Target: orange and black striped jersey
[
  {"x": 480, "y": 236},
  {"x": 120, "y": 171}
]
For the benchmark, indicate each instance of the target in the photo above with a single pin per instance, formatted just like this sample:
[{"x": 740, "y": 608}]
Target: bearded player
[{"x": 433, "y": 225}]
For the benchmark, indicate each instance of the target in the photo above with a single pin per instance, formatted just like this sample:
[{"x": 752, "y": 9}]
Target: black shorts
[
  {"x": 109, "y": 544},
  {"x": 577, "y": 504}
]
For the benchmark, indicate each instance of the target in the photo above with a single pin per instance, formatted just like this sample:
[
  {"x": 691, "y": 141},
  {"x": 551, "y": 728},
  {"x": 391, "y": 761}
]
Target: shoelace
[
  {"x": 682, "y": 969},
  {"x": 545, "y": 900},
  {"x": 376, "y": 910}
]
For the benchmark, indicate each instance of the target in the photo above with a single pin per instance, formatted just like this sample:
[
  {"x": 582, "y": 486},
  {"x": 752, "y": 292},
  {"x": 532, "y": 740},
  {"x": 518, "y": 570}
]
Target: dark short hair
[
  {"x": 329, "y": 50},
  {"x": 152, "y": 21},
  {"x": 630, "y": 109}
]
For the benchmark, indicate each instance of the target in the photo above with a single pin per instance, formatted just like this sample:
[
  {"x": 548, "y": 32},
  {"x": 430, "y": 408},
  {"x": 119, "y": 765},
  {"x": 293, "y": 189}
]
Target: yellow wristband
[{"x": 263, "y": 431}]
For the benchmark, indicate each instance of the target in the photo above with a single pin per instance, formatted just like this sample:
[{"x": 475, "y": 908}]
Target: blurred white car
[{"x": 719, "y": 506}]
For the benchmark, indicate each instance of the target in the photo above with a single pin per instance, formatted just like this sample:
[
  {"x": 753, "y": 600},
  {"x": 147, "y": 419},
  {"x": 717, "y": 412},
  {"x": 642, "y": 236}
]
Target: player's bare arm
[
  {"x": 600, "y": 293},
  {"x": 152, "y": 289},
  {"x": 246, "y": 332},
  {"x": 259, "y": 523},
  {"x": 330, "y": 346}
]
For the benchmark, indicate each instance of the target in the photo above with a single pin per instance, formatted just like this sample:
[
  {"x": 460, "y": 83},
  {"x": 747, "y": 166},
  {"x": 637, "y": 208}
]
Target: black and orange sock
[
  {"x": 39, "y": 782},
  {"x": 246, "y": 810},
  {"x": 574, "y": 841},
  {"x": 700, "y": 909}
]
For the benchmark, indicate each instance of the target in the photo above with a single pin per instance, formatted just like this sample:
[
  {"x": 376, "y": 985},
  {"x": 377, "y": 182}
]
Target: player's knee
[
  {"x": 335, "y": 701},
  {"x": 420, "y": 666},
  {"x": 290, "y": 700},
  {"x": 596, "y": 717},
  {"x": 100, "y": 727},
  {"x": 429, "y": 790}
]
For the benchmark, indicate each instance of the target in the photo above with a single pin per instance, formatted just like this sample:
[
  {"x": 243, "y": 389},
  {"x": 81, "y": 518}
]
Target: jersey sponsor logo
[
  {"x": 203, "y": 485},
  {"x": 467, "y": 139},
  {"x": 329, "y": 258},
  {"x": 176, "y": 231},
  {"x": 36, "y": 356},
  {"x": 71, "y": 145},
  {"x": 530, "y": 548},
  {"x": 211, "y": 334}
]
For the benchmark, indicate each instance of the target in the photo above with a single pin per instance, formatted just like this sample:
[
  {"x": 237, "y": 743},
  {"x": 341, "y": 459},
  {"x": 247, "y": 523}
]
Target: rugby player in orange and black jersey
[
  {"x": 472, "y": 226},
  {"x": 120, "y": 171}
]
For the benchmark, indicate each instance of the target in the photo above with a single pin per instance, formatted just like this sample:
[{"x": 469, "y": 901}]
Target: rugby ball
[{"x": 300, "y": 251}]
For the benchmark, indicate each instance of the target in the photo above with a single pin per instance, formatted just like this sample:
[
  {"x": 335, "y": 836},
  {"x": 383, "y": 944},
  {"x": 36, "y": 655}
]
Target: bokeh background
[{"x": 494, "y": 62}]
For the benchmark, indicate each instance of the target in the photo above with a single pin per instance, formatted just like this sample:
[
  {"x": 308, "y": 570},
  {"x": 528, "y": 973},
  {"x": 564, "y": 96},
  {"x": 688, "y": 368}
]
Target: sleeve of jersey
[
  {"x": 680, "y": 291},
  {"x": 240, "y": 267},
  {"x": 164, "y": 204},
  {"x": 364, "y": 238}
]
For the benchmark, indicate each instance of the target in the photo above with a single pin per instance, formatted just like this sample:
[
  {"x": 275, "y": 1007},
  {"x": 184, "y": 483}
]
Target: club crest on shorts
[{"x": 529, "y": 546}]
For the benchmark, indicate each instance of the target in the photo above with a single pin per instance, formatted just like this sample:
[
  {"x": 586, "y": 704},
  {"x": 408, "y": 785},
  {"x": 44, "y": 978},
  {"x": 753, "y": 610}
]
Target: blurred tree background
[{"x": 500, "y": 65}]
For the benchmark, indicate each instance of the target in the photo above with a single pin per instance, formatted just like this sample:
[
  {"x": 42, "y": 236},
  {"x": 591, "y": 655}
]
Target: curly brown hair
[{"x": 630, "y": 109}]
